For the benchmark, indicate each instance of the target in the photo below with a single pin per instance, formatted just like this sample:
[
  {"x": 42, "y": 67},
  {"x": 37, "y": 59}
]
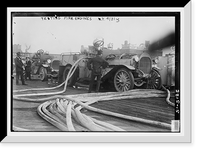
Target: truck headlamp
[
  {"x": 156, "y": 61},
  {"x": 48, "y": 61},
  {"x": 136, "y": 58}
]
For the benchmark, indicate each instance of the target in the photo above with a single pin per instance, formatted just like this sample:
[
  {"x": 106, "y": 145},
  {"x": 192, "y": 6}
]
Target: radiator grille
[
  {"x": 55, "y": 64},
  {"x": 145, "y": 65}
]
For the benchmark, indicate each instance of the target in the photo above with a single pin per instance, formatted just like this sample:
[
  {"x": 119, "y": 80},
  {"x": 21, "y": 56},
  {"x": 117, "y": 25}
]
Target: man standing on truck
[{"x": 96, "y": 64}]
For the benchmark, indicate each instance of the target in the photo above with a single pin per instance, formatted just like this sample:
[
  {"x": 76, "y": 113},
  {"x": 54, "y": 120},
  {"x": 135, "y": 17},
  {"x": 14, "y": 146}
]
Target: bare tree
[{"x": 27, "y": 48}]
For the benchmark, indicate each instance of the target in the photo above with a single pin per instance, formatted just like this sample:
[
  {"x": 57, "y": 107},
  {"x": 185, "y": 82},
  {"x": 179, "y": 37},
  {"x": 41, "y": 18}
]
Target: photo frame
[{"x": 182, "y": 87}]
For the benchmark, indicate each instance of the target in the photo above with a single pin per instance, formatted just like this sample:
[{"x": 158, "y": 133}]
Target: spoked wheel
[
  {"x": 154, "y": 81},
  {"x": 123, "y": 80},
  {"x": 43, "y": 73}
]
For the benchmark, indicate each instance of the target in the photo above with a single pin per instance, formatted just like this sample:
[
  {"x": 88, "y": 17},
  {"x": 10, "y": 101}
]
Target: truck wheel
[
  {"x": 73, "y": 79},
  {"x": 154, "y": 81},
  {"x": 43, "y": 73},
  {"x": 123, "y": 80}
]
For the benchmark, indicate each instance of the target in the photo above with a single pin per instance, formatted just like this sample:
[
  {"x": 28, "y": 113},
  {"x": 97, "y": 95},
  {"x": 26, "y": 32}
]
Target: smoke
[{"x": 162, "y": 42}]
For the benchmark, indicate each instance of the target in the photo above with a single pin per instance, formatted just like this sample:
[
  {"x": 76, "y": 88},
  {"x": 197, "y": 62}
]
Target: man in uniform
[
  {"x": 19, "y": 69},
  {"x": 96, "y": 64}
]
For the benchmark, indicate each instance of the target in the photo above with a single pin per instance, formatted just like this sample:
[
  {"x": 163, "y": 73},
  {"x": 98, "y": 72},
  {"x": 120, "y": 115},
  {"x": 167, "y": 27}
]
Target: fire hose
[
  {"x": 60, "y": 113},
  {"x": 70, "y": 73},
  {"x": 168, "y": 97}
]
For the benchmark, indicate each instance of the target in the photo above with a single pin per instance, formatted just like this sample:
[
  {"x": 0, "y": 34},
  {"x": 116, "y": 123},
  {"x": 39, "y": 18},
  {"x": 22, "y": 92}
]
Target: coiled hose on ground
[{"x": 60, "y": 113}]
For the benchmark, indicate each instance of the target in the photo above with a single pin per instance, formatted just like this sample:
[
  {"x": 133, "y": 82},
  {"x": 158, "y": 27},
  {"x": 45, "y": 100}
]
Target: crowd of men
[{"x": 96, "y": 64}]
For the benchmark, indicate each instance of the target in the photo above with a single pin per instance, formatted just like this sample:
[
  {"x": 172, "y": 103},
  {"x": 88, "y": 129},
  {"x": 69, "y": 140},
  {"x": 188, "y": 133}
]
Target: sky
[{"x": 65, "y": 34}]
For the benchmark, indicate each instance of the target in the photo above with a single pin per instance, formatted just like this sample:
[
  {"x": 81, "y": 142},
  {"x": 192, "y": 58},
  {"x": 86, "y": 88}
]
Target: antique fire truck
[
  {"x": 41, "y": 67},
  {"x": 125, "y": 71}
]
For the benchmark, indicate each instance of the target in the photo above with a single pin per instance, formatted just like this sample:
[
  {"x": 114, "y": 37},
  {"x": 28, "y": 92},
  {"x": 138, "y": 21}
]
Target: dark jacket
[
  {"x": 96, "y": 64},
  {"x": 28, "y": 66},
  {"x": 19, "y": 64}
]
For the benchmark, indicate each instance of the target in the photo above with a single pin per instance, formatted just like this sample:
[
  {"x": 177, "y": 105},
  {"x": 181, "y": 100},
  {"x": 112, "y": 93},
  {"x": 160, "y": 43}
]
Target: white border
[
  {"x": 96, "y": 9},
  {"x": 8, "y": 72},
  {"x": 184, "y": 136}
]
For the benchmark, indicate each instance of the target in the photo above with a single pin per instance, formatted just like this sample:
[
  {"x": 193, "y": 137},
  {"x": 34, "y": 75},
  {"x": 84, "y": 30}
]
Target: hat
[{"x": 18, "y": 53}]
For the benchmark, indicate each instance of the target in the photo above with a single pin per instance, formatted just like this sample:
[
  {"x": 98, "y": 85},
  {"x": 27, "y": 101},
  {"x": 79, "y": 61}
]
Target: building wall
[
  {"x": 56, "y": 56},
  {"x": 17, "y": 48},
  {"x": 168, "y": 50}
]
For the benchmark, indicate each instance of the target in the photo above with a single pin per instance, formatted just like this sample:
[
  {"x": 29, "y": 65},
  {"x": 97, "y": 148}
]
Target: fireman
[
  {"x": 19, "y": 69},
  {"x": 96, "y": 64}
]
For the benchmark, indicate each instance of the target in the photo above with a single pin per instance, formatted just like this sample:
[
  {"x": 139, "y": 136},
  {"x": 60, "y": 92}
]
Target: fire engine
[
  {"x": 41, "y": 67},
  {"x": 125, "y": 71}
]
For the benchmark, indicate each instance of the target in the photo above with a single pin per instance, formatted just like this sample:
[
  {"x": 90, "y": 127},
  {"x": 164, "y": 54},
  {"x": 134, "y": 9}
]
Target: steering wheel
[
  {"x": 123, "y": 55},
  {"x": 98, "y": 42},
  {"x": 111, "y": 56},
  {"x": 47, "y": 52},
  {"x": 40, "y": 51}
]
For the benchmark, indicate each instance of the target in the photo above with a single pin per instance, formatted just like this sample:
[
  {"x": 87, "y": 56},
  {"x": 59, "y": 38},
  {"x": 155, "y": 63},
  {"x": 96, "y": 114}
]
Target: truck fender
[
  {"x": 45, "y": 65},
  {"x": 114, "y": 69},
  {"x": 129, "y": 67}
]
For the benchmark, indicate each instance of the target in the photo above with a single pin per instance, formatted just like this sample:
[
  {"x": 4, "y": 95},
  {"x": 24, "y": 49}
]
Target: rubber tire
[
  {"x": 45, "y": 73},
  {"x": 160, "y": 80},
  {"x": 130, "y": 75}
]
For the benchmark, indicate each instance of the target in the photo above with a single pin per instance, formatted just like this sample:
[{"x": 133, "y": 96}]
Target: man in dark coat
[
  {"x": 28, "y": 68},
  {"x": 19, "y": 69},
  {"x": 96, "y": 64}
]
